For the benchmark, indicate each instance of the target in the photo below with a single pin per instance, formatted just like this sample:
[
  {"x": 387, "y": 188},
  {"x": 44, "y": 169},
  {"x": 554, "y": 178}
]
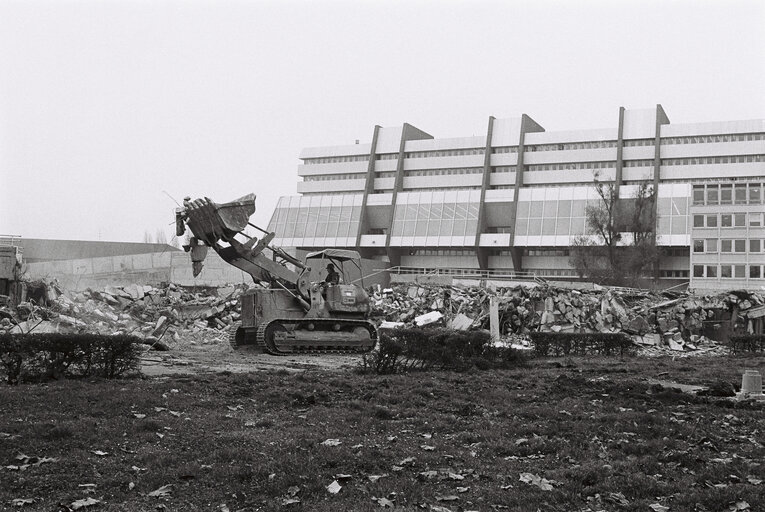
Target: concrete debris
[
  {"x": 160, "y": 316},
  {"x": 659, "y": 322},
  {"x": 428, "y": 318}
]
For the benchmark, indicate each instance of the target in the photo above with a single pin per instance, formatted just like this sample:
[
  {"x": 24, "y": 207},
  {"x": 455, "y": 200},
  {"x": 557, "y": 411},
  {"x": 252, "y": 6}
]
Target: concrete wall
[
  {"x": 156, "y": 268},
  {"x": 152, "y": 268}
]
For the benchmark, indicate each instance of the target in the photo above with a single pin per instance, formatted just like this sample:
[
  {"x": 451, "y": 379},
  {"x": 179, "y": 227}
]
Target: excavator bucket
[{"x": 210, "y": 221}]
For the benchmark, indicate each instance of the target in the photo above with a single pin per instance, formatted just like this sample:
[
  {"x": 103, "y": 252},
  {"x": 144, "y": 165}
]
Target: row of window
[
  {"x": 699, "y": 139},
  {"x": 713, "y": 245},
  {"x": 728, "y": 271},
  {"x": 333, "y": 177},
  {"x": 562, "y": 272},
  {"x": 572, "y": 145},
  {"x": 674, "y": 273},
  {"x": 441, "y": 252},
  {"x": 446, "y": 172},
  {"x": 708, "y": 139},
  {"x": 545, "y": 252},
  {"x": 571, "y": 166},
  {"x": 334, "y": 193},
  {"x": 336, "y": 159},
  {"x": 439, "y": 189},
  {"x": 445, "y": 152},
  {"x": 638, "y": 142},
  {"x": 727, "y": 193},
  {"x": 315, "y": 221},
  {"x": 676, "y": 251},
  {"x": 734, "y": 159},
  {"x": 728, "y": 220}
]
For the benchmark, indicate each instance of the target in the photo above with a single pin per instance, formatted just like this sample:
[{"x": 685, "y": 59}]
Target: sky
[{"x": 109, "y": 108}]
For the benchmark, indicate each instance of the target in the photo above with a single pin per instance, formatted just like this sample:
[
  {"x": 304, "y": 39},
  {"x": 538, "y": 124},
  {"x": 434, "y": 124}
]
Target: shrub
[
  {"x": 577, "y": 343},
  {"x": 38, "y": 357},
  {"x": 747, "y": 343},
  {"x": 402, "y": 350}
]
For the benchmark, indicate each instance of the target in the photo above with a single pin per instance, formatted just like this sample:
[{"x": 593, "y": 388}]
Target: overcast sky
[{"x": 106, "y": 104}]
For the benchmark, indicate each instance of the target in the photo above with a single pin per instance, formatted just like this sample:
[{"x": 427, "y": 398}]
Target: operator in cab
[{"x": 332, "y": 276}]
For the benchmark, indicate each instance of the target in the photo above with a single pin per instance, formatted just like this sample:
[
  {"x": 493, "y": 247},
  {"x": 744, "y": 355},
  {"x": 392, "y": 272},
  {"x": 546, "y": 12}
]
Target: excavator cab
[{"x": 345, "y": 297}]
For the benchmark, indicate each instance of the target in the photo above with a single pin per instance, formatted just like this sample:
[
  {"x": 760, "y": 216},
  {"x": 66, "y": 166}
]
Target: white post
[{"x": 494, "y": 318}]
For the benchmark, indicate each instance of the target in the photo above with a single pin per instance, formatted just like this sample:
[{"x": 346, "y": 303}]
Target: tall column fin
[
  {"x": 481, "y": 252},
  {"x": 619, "y": 152},
  {"x": 661, "y": 118},
  {"x": 369, "y": 188}
]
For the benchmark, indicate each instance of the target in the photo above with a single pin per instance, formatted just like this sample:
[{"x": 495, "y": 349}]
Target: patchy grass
[{"x": 595, "y": 427}]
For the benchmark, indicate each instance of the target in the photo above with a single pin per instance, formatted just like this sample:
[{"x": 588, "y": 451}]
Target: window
[
  {"x": 725, "y": 245},
  {"x": 713, "y": 195},
  {"x": 754, "y": 193},
  {"x": 711, "y": 245},
  {"x": 739, "y": 271},
  {"x": 698, "y": 194},
  {"x": 755, "y": 220},
  {"x": 711, "y": 271},
  {"x": 698, "y": 221},
  {"x": 725, "y": 271},
  {"x": 698, "y": 246},
  {"x": 726, "y": 194},
  {"x": 739, "y": 220},
  {"x": 698, "y": 271},
  {"x": 754, "y": 272},
  {"x": 712, "y": 220},
  {"x": 741, "y": 193},
  {"x": 740, "y": 245},
  {"x": 726, "y": 220},
  {"x": 754, "y": 246}
]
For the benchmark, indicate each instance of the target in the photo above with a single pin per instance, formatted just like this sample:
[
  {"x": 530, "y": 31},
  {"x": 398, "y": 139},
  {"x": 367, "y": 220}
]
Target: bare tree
[
  {"x": 161, "y": 237},
  {"x": 604, "y": 255},
  {"x": 147, "y": 237}
]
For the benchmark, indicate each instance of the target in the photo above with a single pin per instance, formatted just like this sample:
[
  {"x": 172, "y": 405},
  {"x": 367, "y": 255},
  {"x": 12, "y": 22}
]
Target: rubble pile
[
  {"x": 657, "y": 321},
  {"x": 159, "y": 315}
]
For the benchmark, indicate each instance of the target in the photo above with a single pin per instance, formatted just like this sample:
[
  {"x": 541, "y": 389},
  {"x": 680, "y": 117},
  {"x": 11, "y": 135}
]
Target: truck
[{"x": 286, "y": 312}]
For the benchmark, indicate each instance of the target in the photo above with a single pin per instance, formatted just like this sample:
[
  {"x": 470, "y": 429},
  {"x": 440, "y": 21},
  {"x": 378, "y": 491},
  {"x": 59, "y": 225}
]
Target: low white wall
[{"x": 151, "y": 268}]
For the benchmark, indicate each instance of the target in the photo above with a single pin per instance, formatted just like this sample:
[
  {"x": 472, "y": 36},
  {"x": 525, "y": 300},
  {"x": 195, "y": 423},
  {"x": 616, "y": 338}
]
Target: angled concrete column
[
  {"x": 619, "y": 152},
  {"x": 527, "y": 125},
  {"x": 408, "y": 132},
  {"x": 369, "y": 188},
  {"x": 483, "y": 254},
  {"x": 661, "y": 118}
]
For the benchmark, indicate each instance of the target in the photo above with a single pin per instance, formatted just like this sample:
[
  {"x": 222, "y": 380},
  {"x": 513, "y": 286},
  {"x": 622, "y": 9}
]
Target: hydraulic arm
[{"x": 213, "y": 223}]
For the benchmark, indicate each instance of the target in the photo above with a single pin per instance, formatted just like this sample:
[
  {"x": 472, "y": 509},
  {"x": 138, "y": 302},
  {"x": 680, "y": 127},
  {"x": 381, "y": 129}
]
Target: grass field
[{"x": 596, "y": 431}]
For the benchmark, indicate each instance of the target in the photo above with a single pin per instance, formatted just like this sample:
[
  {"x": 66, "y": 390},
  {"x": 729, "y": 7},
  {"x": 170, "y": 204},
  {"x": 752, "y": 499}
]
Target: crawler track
[{"x": 284, "y": 336}]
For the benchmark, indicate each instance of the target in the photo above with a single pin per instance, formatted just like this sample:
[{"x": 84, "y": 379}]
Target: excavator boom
[{"x": 215, "y": 224}]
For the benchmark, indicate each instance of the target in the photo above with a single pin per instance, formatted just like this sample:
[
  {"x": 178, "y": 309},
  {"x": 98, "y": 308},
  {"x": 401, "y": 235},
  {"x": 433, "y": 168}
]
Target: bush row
[
  {"x": 39, "y": 357},
  {"x": 747, "y": 343},
  {"x": 402, "y": 350},
  {"x": 581, "y": 343}
]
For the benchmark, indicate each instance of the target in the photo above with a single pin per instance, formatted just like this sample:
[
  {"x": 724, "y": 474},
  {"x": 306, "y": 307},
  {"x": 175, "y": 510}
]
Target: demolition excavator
[{"x": 286, "y": 313}]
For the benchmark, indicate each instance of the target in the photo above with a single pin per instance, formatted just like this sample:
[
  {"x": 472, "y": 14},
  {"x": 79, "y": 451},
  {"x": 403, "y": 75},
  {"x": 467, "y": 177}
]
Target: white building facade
[{"x": 515, "y": 198}]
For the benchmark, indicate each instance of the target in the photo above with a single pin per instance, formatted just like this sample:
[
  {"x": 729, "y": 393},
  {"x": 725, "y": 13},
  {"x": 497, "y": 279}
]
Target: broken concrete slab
[
  {"x": 134, "y": 291},
  {"x": 461, "y": 322},
  {"x": 428, "y": 318}
]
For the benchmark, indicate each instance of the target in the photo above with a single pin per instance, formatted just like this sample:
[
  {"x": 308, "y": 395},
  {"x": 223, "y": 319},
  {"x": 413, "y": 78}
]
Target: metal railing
[
  {"x": 468, "y": 273},
  {"x": 10, "y": 240}
]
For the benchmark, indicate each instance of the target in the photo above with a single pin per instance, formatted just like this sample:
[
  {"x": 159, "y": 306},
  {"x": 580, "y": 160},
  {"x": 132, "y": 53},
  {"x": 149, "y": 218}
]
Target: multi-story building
[{"x": 515, "y": 197}]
